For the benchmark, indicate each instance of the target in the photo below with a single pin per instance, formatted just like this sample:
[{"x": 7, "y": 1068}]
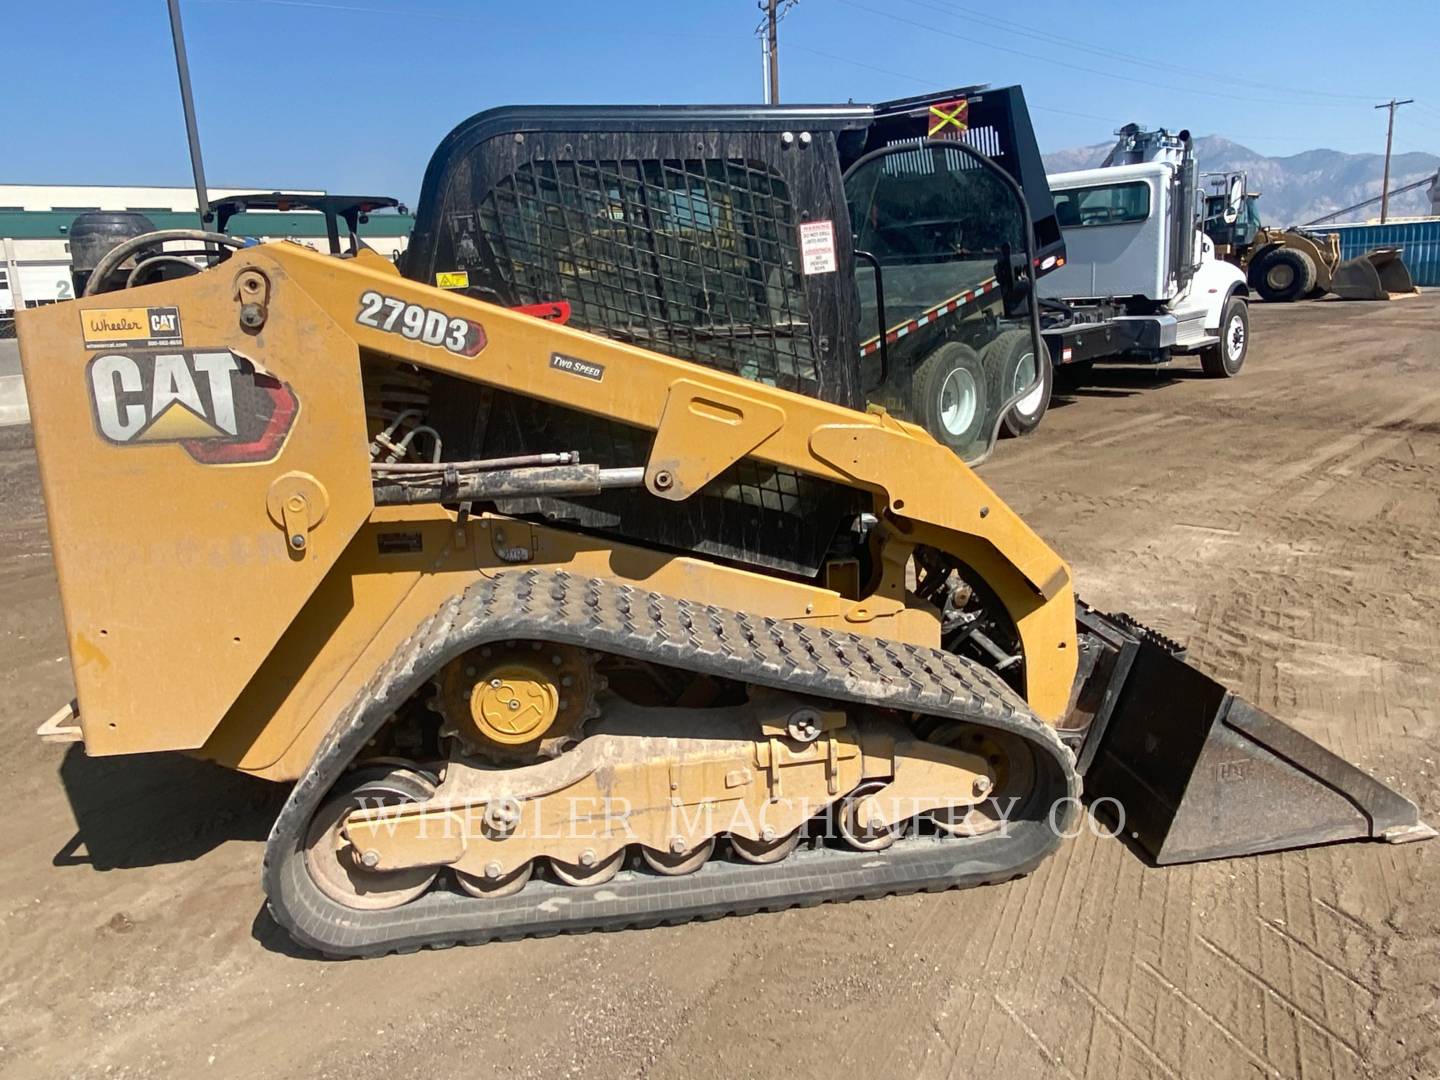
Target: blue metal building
[{"x": 1419, "y": 239}]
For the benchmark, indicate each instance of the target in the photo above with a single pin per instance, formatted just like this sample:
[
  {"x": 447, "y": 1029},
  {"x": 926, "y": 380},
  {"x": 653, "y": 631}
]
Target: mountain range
[{"x": 1297, "y": 188}]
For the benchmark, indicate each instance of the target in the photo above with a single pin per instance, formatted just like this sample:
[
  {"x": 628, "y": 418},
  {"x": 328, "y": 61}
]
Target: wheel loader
[
  {"x": 566, "y": 576},
  {"x": 1284, "y": 265}
]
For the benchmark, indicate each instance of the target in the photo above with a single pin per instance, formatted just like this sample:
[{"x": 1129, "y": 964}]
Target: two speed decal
[{"x": 379, "y": 312}]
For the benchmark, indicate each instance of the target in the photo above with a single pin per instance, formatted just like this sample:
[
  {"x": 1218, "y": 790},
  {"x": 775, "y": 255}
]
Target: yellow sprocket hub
[
  {"x": 515, "y": 704},
  {"x": 517, "y": 701}
]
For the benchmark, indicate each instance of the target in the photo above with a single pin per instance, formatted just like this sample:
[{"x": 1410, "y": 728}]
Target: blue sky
[{"x": 354, "y": 95}]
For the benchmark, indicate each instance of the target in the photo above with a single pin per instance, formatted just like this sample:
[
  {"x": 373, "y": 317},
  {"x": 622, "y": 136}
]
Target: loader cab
[
  {"x": 1230, "y": 216},
  {"x": 727, "y": 236}
]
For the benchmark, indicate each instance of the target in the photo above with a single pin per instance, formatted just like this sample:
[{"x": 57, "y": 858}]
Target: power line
[
  {"x": 1124, "y": 57},
  {"x": 931, "y": 83},
  {"x": 333, "y": 5},
  {"x": 451, "y": 16},
  {"x": 1034, "y": 107},
  {"x": 1368, "y": 202},
  {"x": 356, "y": 8},
  {"x": 1051, "y": 61}
]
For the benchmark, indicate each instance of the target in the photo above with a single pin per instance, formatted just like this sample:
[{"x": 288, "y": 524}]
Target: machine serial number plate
[{"x": 462, "y": 337}]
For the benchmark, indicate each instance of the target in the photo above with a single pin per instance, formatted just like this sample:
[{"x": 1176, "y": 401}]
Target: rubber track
[{"x": 608, "y": 616}]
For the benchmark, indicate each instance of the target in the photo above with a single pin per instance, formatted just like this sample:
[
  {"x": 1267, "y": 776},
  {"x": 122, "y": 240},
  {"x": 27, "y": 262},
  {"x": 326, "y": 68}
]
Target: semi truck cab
[{"x": 1141, "y": 281}]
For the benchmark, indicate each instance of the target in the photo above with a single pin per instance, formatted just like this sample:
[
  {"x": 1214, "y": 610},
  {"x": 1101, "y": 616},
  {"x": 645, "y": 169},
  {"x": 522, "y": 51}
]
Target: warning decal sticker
[
  {"x": 949, "y": 119},
  {"x": 817, "y": 247}
]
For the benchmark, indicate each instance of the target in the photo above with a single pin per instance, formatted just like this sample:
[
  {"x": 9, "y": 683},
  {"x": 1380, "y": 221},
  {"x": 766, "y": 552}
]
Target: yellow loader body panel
[{"x": 169, "y": 490}]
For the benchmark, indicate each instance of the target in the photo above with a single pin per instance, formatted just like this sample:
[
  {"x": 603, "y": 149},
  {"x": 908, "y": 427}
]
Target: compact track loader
[{"x": 638, "y": 619}]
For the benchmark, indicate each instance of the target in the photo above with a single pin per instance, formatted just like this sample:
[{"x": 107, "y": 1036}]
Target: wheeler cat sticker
[
  {"x": 137, "y": 327},
  {"x": 380, "y": 312},
  {"x": 216, "y": 404}
]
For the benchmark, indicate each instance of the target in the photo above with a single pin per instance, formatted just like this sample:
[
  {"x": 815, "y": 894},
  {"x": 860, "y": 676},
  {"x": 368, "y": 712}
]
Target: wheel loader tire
[
  {"x": 1013, "y": 356},
  {"x": 1285, "y": 275},
  {"x": 1312, "y": 274},
  {"x": 947, "y": 395},
  {"x": 1225, "y": 358}
]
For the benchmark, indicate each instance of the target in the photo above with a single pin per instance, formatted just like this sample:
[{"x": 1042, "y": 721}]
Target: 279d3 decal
[{"x": 418, "y": 323}]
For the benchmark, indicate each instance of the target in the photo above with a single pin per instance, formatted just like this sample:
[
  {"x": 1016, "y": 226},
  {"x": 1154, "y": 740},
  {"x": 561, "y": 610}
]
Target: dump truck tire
[
  {"x": 1285, "y": 275},
  {"x": 1012, "y": 354},
  {"x": 947, "y": 395},
  {"x": 1225, "y": 358}
]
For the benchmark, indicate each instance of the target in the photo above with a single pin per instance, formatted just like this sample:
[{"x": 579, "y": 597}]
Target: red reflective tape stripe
[{"x": 933, "y": 315}]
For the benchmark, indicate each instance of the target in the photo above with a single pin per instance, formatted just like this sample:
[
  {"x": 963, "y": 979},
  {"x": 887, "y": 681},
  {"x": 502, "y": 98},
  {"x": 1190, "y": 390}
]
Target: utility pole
[
  {"x": 767, "y": 32},
  {"x": 1392, "y": 105},
  {"x": 772, "y": 50},
  {"x": 187, "y": 102}
]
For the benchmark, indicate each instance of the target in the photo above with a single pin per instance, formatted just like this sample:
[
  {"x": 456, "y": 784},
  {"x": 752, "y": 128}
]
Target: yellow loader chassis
[{"x": 232, "y": 553}]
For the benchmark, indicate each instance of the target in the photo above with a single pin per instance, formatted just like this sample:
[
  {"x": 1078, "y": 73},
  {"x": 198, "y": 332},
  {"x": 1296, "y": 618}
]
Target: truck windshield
[{"x": 942, "y": 276}]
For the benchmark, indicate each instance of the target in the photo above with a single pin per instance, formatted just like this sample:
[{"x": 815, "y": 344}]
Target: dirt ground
[{"x": 1285, "y": 523}]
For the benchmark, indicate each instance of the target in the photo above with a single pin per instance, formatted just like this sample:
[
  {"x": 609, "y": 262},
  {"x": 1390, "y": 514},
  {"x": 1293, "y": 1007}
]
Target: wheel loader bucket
[
  {"x": 1377, "y": 275},
  {"x": 1191, "y": 772}
]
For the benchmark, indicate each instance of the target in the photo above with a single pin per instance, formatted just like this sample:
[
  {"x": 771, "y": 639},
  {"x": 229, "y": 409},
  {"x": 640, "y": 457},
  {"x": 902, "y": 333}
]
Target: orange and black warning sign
[{"x": 949, "y": 119}]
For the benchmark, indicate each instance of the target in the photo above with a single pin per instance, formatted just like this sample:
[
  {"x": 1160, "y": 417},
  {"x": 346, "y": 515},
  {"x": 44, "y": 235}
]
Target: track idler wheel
[
  {"x": 594, "y": 871},
  {"x": 676, "y": 864},
  {"x": 858, "y": 833},
  {"x": 494, "y": 884},
  {"x": 763, "y": 852},
  {"x": 1014, "y": 767},
  {"x": 337, "y": 868}
]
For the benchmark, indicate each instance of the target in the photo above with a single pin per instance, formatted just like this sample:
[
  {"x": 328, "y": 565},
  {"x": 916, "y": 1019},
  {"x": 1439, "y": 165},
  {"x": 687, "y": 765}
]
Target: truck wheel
[
  {"x": 1224, "y": 359},
  {"x": 947, "y": 395},
  {"x": 1013, "y": 356},
  {"x": 1285, "y": 275}
]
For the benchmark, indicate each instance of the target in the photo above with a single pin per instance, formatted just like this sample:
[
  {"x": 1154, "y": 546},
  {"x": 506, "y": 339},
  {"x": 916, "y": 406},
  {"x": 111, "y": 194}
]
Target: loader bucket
[
  {"x": 1377, "y": 275},
  {"x": 1197, "y": 773}
]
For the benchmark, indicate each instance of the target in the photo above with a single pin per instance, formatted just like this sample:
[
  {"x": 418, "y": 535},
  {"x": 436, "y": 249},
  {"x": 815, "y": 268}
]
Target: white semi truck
[{"x": 1140, "y": 281}]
